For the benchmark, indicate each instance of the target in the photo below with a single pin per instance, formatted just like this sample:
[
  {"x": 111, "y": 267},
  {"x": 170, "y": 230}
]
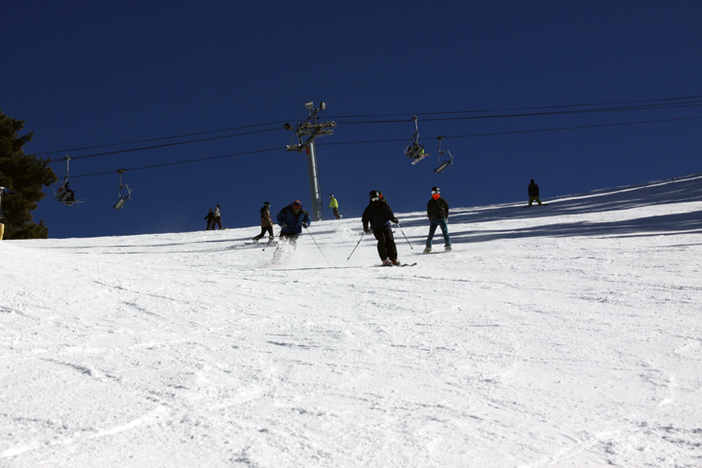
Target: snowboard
[{"x": 543, "y": 204}]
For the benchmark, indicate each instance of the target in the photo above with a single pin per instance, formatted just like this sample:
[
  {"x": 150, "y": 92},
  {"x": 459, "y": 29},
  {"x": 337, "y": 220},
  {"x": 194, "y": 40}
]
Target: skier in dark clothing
[
  {"x": 533, "y": 191},
  {"x": 210, "y": 220},
  {"x": 376, "y": 218},
  {"x": 292, "y": 219},
  {"x": 266, "y": 224},
  {"x": 437, "y": 211}
]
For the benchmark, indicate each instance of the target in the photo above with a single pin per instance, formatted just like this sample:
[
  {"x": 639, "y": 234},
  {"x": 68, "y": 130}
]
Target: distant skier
[
  {"x": 210, "y": 220},
  {"x": 217, "y": 218},
  {"x": 376, "y": 218},
  {"x": 334, "y": 205},
  {"x": 437, "y": 211},
  {"x": 533, "y": 193},
  {"x": 292, "y": 219},
  {"x": 266, "y": 223}
]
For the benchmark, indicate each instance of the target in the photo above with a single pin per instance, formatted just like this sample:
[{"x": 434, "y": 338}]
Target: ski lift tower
[{"x": 312, "y": 129}]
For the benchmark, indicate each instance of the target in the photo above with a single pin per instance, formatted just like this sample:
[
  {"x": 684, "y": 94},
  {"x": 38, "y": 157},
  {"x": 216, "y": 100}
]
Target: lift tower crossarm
[{"x": 312, "y": 129}]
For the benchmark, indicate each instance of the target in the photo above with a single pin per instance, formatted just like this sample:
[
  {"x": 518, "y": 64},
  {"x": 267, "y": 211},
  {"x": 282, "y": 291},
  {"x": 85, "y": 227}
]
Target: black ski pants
[
  {"x": 386, "y": 244},
  {"x": 264, "y": 230}
]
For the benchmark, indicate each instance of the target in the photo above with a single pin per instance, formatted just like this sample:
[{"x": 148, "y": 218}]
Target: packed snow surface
[{"x": 567, "y": 335}]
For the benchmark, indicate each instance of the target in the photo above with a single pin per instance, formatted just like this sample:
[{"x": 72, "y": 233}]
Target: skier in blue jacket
[{"x": 292, "y": 219}]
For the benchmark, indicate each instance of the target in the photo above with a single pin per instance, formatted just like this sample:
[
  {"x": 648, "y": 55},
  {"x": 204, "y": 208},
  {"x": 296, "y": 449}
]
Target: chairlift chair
[
  {"x": 64, "y": 194},
  {"x": 447, "y": 162},
  {"x": 414, "y": 150},
  {"x": 122, "y": 198}
]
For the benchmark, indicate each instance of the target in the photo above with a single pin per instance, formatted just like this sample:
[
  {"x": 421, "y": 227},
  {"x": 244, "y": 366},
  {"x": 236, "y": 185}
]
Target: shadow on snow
[{"x": 674, "y": 191}]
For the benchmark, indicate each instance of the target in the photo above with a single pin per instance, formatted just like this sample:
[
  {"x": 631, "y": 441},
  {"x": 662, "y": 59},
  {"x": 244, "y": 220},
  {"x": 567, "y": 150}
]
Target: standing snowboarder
[
  {"x": 210, "y": 220},
  {"x": 292, "y": 219},
  {"x": 266, "y": 223},
  {"x": 437, "y": 211},
  {"x": 376, "y": 218},
  {"x": 334, "y": 205},
  {"x": 533, "y": 191},
  {"x": 217, "y": 218}
]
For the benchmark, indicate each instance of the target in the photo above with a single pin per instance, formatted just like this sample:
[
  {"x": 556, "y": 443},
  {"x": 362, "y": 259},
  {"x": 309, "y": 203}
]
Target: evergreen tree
[{"x": 22, "y": 175}]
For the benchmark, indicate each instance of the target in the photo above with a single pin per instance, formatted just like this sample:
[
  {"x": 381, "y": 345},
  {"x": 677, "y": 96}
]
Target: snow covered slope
[{"x": 564, "y": 335}]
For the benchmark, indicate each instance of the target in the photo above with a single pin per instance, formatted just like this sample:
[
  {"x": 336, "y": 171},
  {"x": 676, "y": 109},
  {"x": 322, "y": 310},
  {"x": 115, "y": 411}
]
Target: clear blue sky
[{"x": 84, "y": 74}]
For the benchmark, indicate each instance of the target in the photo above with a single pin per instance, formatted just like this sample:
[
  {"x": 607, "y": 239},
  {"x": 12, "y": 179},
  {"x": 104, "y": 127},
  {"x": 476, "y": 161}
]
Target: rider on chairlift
[
  {"x": 122, "y": 198},
  {"x": 414, "y": 150},
  {"x": 66, "y": 194}
]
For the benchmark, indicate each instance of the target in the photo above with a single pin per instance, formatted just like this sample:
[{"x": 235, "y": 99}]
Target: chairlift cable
[
  {"x": 525, "y": 108},
  {"x": 165, "y": 145},
  {"x": 185, "y": 135},
  {"x": 515, "y": 132},
  {"x": 531, "y": 114},
  {"x": 183, "y": 162},
  {"x": 650, "y": 104}
]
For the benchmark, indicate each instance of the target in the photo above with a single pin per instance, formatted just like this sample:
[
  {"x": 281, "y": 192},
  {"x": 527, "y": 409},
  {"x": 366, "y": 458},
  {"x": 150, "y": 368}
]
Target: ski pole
[
  {"x": 403, "y": 233},
  {"x": 357, "y": 244},
  {"x": 315, "y": 243}
]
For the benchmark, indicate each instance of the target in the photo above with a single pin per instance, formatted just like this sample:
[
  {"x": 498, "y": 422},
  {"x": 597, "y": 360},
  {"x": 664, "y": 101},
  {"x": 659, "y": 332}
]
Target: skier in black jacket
[
  {"x": 377, "y": 217},
  {"x": 533, "y": 193},
  {"x": 210, "y": 220},
  {"x": 437, "y": 211}
]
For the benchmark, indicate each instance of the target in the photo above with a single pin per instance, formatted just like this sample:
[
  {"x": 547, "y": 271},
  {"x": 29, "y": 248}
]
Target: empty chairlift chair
[{"x": 447, "y": 162}]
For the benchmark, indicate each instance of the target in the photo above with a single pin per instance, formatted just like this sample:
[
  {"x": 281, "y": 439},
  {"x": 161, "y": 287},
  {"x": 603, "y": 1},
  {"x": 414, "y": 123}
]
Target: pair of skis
[{"x": 398, "y": 265}]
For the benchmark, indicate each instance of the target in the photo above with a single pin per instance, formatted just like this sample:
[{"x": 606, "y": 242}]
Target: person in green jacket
[{"x": 334, "y": 205}]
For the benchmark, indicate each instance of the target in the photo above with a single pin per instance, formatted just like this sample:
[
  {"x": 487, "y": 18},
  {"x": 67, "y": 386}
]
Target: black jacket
[
  {"x": 378, "y": 215},
  {"x": 533, "y": 189},
  {"x": 438, "y": 208}
]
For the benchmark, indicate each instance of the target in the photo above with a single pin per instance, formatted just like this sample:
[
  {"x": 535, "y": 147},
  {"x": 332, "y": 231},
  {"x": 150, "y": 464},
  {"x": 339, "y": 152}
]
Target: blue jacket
[{"x": 290, "y": 222}]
